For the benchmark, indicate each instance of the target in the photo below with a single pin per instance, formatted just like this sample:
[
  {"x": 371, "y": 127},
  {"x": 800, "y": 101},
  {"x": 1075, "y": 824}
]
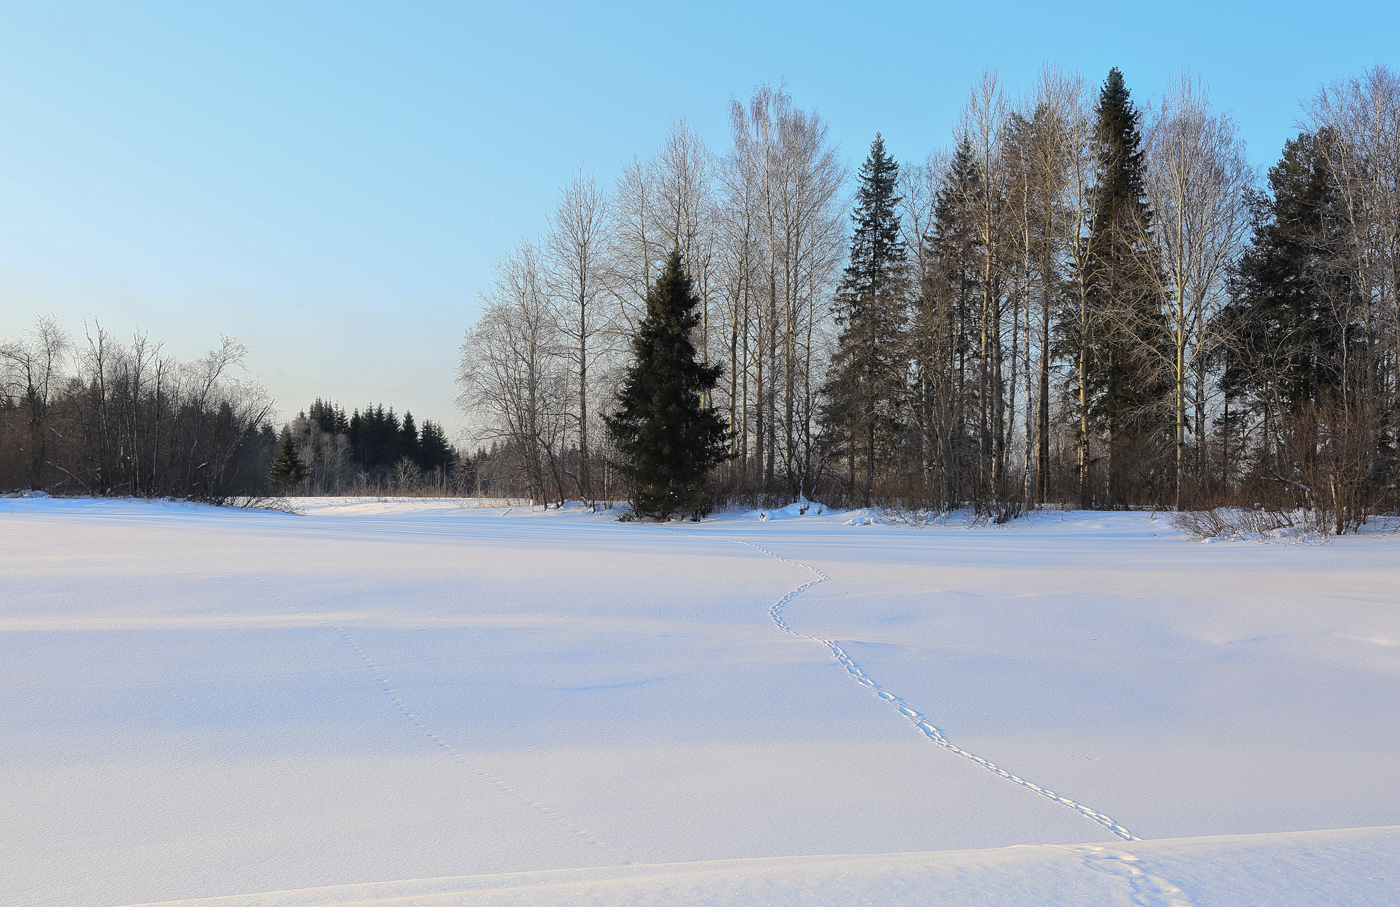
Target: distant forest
[
  {"x": 111, "y": 418},
  {"x": 1084, "y": 301},
  {"x": 373, "y": 451}
]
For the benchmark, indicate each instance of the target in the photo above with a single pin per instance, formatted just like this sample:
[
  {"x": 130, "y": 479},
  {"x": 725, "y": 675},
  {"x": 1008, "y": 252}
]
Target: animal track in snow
[
  {"x": 432, "y": 735},
  {"x": 926, "y": 727},
  {"x": 1148, "y": 890},
  {"x": 457, "y": 754}
]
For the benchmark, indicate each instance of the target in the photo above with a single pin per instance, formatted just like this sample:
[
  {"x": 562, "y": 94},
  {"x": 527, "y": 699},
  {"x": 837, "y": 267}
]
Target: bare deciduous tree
[
  {"x": 577, "y": 246},
  {"x": 1197, "y": 176},
  {"x": 1362, "y": 117},
  {"x": 514, "y": 376},
  {"x": 787, "y": 178},
  {"x": 30, "y": 369}
]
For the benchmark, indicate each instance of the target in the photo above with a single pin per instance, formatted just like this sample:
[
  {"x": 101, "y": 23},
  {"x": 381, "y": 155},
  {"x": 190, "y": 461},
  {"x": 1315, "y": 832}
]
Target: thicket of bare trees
[
  {"x": 107, "y": 417},
  {"x": 1100, "y": 306}
]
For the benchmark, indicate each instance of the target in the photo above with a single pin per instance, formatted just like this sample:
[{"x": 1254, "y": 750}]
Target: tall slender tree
[
  {"x": 576, "y": 250},
  {"x": 866, "y": 387},
  {"x": 942, "y": 327},
  {"x": 1197, "y": 176},
  {"x": 1122, "y": 284}
]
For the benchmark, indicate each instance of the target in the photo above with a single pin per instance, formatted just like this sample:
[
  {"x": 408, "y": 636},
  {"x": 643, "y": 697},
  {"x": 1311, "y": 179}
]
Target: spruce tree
[
  {"x": 434, "y": 452},
  {"x": 863, "y": 415},
  {"x": 668, "y": 439},
  {"x": 287, "y": 470},
  {"x": 1290, "y": 291},
  {"x": 943, "y": 326},
  {"x": 408, "y": 440},
  {"x": 1122, "y": 285}
]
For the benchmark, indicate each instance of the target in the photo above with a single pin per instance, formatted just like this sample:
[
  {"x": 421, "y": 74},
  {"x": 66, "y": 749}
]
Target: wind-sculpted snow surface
[{"x": 417, "y": 703}]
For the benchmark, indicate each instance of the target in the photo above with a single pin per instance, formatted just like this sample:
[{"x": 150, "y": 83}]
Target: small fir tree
[
  {"x": 287, "y": 470},
  {"x": 668, "y": 439}
]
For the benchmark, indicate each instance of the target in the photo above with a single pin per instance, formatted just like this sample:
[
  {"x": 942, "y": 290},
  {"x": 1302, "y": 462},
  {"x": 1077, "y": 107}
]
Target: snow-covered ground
[{"x": 416, "y": 703}]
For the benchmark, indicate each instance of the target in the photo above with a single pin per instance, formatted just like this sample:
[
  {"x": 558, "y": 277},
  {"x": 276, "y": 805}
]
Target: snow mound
[
  {"x": 1303, "y": 868},
  {"x": 798, "y": 509}
]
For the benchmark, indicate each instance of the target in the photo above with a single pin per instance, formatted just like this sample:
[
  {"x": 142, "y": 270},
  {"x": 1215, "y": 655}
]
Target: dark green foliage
[
  {"x": 408, "y": 439},
  {"x": 863, "y": 414},
  {"x": 668, "y": 439},
  {"x": 328, "y": 417},
  {"x": 1291, "y": 289},
  {"x": 942, "y": 331},
  {"x": 434, "y": 452},
  {"x": 376, "y": 437},
  {"x": 287, "y": 470},
  {"x": 377, "y": 440},
  {"x": 1127, "y": 308},
  {"x": 1302, "y": 366}
]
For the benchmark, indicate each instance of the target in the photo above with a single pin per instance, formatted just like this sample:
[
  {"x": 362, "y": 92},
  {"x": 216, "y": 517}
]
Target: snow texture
[{"x": 418, "y": 703}]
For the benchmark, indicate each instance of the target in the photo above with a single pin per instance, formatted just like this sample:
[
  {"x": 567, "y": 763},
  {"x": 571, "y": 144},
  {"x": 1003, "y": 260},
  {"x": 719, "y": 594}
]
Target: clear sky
[{"x": 331, "y": 183}]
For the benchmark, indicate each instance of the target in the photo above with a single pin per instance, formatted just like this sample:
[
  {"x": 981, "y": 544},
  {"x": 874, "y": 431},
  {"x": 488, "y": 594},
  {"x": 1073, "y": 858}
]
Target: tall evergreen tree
[
  {"x": 1290, "y": 291},
  {"x": 668, "y": 439},
  {"x": 408, "y": 439},
  {"x": 433, "y": 450},
  {"x": 864, "y": 415},
  {"x": 1125, "y": 304},
  {"x": 941, "y": 342}
]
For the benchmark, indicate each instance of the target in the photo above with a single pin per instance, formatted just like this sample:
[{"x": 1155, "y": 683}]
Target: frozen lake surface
[{"x": 417, "y": 703}]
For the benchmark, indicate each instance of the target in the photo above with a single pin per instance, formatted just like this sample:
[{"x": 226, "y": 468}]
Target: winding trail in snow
[
  {"x": 571, "y": 826},
  {"x": 918, "y": 719}
]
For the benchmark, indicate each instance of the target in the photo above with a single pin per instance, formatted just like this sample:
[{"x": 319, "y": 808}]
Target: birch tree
[
  {"x": 576, "y": 246},
  {"x": 982, "y": 124},
  {"x": 1196, "y": 178},
  {"x": 513, "y": 374},
  {"x": 1362, "y": 118},
  {"x": 785, "y": 174}
]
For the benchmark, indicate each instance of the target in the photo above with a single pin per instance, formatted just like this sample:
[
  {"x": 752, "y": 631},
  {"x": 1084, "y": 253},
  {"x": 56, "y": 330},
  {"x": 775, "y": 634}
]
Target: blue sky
[{"x": 330, "y": 183}]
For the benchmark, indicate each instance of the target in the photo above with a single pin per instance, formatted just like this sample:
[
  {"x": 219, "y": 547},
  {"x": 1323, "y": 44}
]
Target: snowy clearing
[{"x": 414, "y": 702}]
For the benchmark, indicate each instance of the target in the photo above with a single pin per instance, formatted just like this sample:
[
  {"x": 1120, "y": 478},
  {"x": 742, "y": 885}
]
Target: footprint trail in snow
[
  {"x": 925, "y": 726},
  {"x": 382, "y": 681}
]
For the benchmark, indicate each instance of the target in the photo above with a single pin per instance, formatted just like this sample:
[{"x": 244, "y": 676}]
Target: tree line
[
  {"x": 1083, "y": 302},
  {"x": 112, "y": 418},
  {"x": 370, "y": 451},
  {"x": 116, "y": 418}
]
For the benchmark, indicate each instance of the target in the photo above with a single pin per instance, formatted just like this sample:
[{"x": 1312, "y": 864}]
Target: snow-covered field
[{"x": 415, "y": 703}]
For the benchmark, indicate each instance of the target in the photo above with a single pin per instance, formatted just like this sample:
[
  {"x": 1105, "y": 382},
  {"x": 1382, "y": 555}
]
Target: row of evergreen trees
[{"x": 326, "y": 452}]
